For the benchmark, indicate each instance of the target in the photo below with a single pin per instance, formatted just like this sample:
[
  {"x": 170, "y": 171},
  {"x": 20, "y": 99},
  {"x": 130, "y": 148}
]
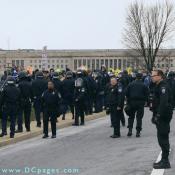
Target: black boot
[
  {"x": 163, "y": 164},
  {"x": 45, "y": 136},
  {"x": 129, "y": 132},
  {"x": 138, "y": 134},
  {"x": 19, "y": 130},
  {"x": 116, "y": 134}
]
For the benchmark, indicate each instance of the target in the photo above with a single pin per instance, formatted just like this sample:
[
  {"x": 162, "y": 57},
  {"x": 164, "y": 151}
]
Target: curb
[{"x": 25, "y": 135}]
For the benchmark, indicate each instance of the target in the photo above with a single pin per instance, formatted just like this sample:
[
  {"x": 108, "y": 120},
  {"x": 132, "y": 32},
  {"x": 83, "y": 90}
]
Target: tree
[{"x": 148, "y": 28}]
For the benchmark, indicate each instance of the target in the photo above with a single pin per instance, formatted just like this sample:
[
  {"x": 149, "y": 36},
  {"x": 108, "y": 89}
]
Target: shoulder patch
[
  {"x": 163, "y": 90},
  {"x": 82, "y": 90},
  {"x": 119, "y": 89}
]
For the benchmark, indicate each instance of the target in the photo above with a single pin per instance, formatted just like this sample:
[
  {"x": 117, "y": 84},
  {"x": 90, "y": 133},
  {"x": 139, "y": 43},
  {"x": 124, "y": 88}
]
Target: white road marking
[{"x": 158, "y": 171}]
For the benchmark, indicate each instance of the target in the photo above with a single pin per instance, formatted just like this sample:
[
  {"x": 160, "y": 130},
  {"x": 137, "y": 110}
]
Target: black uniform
[
  {"x": 114, "y": 100},
  {"x": 25, "y": 107},
  {"x": 50, "y": 103},
  {"x": 39, "y": 85},
  {"x": 79, "y": 98},
  {"x": 68, "y": 94},
  {"x": 137, "y": 94},
  {"x": 162, "y": 115},
  {"x": 10, "y": 101}
]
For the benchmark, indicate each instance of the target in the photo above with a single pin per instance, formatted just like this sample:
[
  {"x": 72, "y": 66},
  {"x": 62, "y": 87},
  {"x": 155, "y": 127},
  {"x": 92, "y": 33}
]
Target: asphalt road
[{"x": 87, "y": 150}]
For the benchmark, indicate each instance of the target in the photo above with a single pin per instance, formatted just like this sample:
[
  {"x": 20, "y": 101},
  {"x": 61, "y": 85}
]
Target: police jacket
[
  {"x": 137, "y": 91},
  {"x": 79, "y": 94},
  {"x": 11, "y": 97},
  {"x": 38, "y": 87},
  {"x": 115, "y": 96},
  {"x": 162, "y": 100},
  {"x": 50, "y": 100},
  {"x": 26, "y": 90},
  {"x": 68, "y": 90}
]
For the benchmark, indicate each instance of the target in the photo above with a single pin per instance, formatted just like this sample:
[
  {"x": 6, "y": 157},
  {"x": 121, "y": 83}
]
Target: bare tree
[{"x": 147, "y": 28}]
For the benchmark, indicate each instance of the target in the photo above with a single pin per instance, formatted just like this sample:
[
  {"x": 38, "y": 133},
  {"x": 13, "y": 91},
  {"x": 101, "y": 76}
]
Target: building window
[
  {"x": 58, "y": 66},
  {"x": 124, "y": 64},
  {"x": 119, "y": 63},
  {"x": 89, "y": 63},
  {"x": 53, "y": 61},
  {"x": 110, "y": 64},
  {"x": 22, "y": 63},
  {"x": 84, "y": 62},
  {"x": 79, "y": 63},
  {"x": 106, "y": 63},
  {"x": 35, "y": 61},
  {"x": 102, "y": 62},
  {"x": 30, "y": 61},
  {"x": 61, "y": 61},
  {"x": 48, "y": 61},
  {"x": 48, "y": 66},
  {"x": 57, "y": 61},
  {"x": 62, "y": 66},
  {"x": 39, "y": 61},
  {"x": 40, "y": 66},
  {"x": 115, "y": 64},
  {"x": 13, "y": 62},
  {"x": 93, "y": 64},
  {"x": 17, "y": 62},
  {"x": 75, "y": 64},
  {"x": 97, "y": 64},
  {"x": 128, "y": 63},
  {"x": 53, "y": 66}
]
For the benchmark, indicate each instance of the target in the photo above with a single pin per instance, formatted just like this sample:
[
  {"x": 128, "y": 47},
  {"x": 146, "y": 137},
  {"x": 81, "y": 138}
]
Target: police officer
[
  {"x": 114, "y": 105},
  {"x": 68, "y": 86},
  {"x": 50, "y": 103},
  {"x": 162, "y": 115},
  {"x": 100, "y": 92},
  {"x": 136, "y": 94},
  {"x": 79, "y": 99},
  {"x": 10, "y": 101},
  {"x": 26, "y": 98},
  {"x": 39, "y": 85}
]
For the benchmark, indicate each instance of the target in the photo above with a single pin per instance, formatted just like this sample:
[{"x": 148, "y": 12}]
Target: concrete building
[{"x": 92, "y": 59}]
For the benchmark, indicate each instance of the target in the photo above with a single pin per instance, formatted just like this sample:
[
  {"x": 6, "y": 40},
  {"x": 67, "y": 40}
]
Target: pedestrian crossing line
[{"x": 158, "y": 171}]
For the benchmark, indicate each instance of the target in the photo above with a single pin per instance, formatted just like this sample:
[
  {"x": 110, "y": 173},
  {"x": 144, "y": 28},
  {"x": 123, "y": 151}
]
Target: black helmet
[
  {"x": 69, "y": 74},
  {"x": 79, "y": 73},
  {"x": 170, "y": 74},
  {"x": 22, "y": 75},
  {"x": 39, "y": 74},
  {"x": 10, "y": 80},
  {"x": 139, "y": 75},
  {"x": 55, "y": 75}
]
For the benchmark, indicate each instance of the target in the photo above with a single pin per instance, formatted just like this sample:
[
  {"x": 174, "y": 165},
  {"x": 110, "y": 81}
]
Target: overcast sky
[{"x": 63, "y": 24}]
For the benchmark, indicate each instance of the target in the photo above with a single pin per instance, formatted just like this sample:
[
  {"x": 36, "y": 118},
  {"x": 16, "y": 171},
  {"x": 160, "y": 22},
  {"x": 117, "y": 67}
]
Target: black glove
[{"x": 155, "y": 119}]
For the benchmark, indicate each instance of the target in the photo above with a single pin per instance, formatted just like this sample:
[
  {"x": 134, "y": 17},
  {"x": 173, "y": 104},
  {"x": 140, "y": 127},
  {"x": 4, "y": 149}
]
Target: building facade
[{"x": 73, "y": 59}]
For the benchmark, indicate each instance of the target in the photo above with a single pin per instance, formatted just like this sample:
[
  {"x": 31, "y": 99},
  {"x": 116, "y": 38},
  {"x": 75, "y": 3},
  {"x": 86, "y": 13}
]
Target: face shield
[{"x": 79, "y": 82}]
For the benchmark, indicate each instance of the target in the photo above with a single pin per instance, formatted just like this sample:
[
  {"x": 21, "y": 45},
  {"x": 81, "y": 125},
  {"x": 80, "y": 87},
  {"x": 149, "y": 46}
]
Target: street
[{"x": 88, "y": 150}]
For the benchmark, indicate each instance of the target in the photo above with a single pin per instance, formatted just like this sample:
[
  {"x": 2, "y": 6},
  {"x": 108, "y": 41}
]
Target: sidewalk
[{"x": 35, "y": 131}]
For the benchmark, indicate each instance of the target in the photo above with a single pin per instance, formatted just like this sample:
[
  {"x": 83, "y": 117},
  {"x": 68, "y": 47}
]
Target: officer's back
[
  {"x": 25, "y": 86},
  {"x": 39, "y": 85},
  {"x": 137, "y": 91}
]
